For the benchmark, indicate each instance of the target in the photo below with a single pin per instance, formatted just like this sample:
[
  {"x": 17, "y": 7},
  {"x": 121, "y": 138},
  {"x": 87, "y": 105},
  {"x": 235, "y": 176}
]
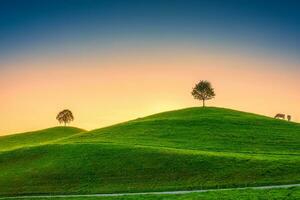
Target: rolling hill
[
  {"x": 212, "y": 129},
  {"x": 191, "y": 148},
  {"x": 33, "y": 138}
]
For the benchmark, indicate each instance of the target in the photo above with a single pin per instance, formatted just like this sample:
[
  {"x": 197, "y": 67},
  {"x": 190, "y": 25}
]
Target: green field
[
  {"x": 34, "y": 138},
  {"x": 192, "y": 148}
]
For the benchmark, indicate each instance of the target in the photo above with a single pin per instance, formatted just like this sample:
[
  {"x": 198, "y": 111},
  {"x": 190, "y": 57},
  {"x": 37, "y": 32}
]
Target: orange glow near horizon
[{"x": 103, "y": 90}]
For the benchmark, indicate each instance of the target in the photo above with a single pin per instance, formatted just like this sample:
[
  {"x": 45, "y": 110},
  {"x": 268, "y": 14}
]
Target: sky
[{"x": 114, "y": 60}]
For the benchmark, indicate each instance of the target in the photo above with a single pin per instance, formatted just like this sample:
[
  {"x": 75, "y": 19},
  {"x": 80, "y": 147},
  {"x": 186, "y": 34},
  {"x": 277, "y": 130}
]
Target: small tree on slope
[{"x": 203, "y": 91}]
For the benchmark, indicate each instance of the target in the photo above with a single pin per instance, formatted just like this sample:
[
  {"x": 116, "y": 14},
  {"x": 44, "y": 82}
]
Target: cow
[
  {"x": 289, "y": 117},
  {"x": 280, "y": 116}
]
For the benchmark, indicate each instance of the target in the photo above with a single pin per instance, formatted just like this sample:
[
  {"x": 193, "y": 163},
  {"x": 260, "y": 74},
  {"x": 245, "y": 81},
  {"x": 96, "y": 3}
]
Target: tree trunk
[{"x": 203, "y": 103}]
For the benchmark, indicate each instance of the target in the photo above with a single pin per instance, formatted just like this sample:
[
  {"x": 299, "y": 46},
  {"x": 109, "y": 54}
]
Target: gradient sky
[{"x": 111, "y": 61}]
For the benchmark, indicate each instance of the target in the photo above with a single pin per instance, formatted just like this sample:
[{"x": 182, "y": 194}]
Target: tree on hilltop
[
  {"x": 203, "y": 91},
  {"x": 65, "y": 117}
]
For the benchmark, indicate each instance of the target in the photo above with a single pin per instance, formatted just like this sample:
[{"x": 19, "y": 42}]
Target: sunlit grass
[{"x": 187, "y": 149}]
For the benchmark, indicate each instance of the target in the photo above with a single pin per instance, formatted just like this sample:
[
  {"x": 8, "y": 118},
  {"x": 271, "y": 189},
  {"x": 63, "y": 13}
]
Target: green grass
[
  {"x": 186, "y": 149},
  {"x": 36, "y": 137},
  {"x": 102, "y": 168},
  {"x": 212, "y": 129}
]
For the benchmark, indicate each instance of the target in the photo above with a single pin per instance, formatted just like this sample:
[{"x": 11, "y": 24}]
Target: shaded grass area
[
  {"x": 249, "y": 194},
  {"x": 107, "y": 168}
]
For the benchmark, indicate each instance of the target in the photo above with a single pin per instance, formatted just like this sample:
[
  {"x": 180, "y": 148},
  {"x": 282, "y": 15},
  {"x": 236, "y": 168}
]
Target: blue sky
[{"x": 49, "y": 24}]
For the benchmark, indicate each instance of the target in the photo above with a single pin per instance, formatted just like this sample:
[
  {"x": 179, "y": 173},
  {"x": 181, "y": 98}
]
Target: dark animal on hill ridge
[{"x": 279, "y": 116}]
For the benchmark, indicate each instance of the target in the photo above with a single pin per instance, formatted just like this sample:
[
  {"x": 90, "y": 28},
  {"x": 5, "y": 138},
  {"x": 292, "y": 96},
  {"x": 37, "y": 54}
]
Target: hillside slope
[
  {"x": 10, "y": 142},
  {"x": 191, "y": 148},
  {"x": 212, "y": 129},
  {"x": 108, "y": 168}
]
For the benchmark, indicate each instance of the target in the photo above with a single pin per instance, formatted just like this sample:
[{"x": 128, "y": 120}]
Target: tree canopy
[
  {"x": 203, "y": 91},
  {"x": 65, "y": 116}
]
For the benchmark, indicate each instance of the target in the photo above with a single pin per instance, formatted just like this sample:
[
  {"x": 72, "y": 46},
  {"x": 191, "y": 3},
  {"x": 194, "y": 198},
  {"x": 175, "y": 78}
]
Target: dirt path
[{"x": 149, "y": 193}]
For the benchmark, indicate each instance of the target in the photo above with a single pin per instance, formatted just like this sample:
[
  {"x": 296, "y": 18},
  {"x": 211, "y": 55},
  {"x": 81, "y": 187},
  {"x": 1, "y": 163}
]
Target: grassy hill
[
  {"x": 212, "y": 129},
  {"x": 36, "y": 137},
  {"x": 185, "y": 149}
]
